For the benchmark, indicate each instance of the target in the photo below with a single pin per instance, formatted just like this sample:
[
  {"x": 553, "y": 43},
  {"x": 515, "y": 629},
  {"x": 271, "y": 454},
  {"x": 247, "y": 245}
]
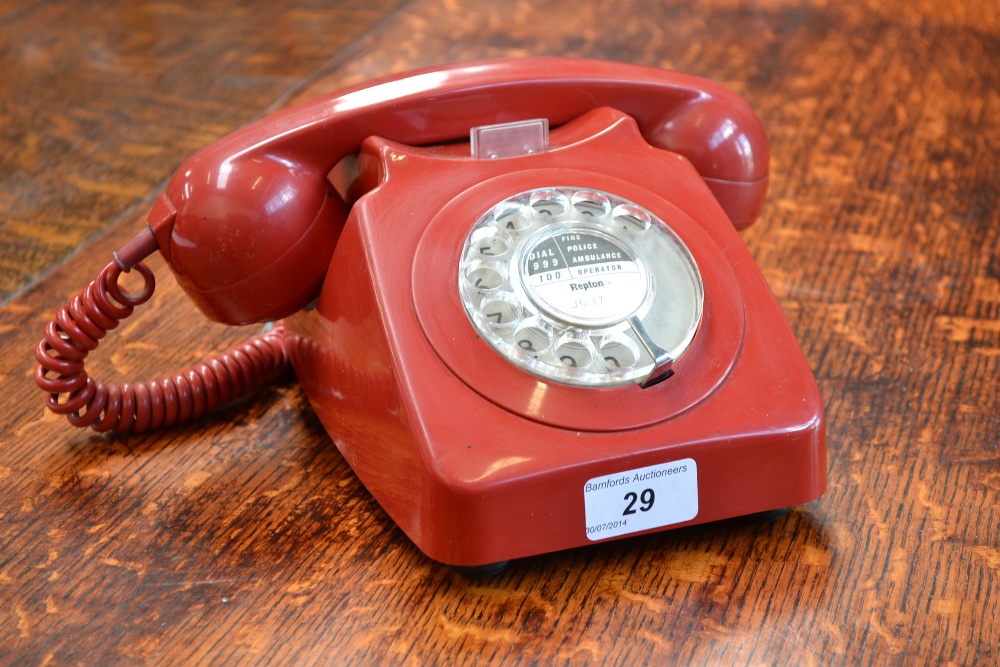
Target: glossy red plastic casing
[{"x": 479, "y": 461}]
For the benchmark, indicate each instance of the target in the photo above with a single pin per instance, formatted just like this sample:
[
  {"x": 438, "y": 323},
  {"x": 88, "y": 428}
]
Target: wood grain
[
  {"x": 84, "y": 90},
  {"x": 245, "y": 537}
]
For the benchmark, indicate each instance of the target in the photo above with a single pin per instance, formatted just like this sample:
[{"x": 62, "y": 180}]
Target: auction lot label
[{"x": 635, "y": 500}]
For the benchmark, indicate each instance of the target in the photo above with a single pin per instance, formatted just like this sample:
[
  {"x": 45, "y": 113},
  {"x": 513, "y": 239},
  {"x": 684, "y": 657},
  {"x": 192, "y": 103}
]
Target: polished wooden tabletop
[{"x": 246, "y": 537}]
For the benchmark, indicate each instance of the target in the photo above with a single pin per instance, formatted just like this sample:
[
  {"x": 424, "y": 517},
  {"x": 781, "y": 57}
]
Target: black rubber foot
[
  {"x": 766, "y": 517},
  {"x": 480, "y": 571}
]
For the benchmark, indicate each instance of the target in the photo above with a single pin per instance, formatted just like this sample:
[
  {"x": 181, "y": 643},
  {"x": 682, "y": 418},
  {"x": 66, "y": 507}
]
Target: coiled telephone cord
[{"x": 78, "y": 329}]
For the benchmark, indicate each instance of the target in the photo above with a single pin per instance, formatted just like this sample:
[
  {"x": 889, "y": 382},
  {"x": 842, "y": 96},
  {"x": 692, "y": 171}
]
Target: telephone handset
[{"x": 546, "y": 335}]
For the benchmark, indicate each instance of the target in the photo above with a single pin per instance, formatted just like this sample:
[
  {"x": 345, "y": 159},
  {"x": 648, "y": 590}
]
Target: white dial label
[
  {"x": 584, "y": 277},
  {"x": 635, "y": 500}
]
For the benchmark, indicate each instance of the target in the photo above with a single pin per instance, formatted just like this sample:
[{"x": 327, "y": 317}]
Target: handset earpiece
[
  {"x": 729, "y": 150},
  {"x": 250, "y": 238}
]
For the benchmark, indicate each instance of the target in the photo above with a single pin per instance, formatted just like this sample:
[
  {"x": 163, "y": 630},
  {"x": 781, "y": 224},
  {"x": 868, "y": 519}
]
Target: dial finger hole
[
  {"x": 590, "y": 204},
  {"x": 513, "y": 217},
  {"x": 631, "y": 218},
  {"x": 618, "y": 352},
  {"x": 531, "y": 337},
  {"x": 484, "y": 276},
  {"x": 501, "y": 310},
  {"x": 549, "y": 203},
  {"x": 574, "y": 352},
  {"x": 489, "y": 242}
]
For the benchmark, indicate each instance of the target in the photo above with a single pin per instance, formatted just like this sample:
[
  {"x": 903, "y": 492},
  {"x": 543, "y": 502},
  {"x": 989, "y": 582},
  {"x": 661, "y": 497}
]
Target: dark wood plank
[
  {"x": 85, "y": 89},
  {"x": 246, "y": 536}
]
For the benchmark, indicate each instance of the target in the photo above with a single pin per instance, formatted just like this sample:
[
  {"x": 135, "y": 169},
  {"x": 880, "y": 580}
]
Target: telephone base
[{"x": 481, "y": 460}]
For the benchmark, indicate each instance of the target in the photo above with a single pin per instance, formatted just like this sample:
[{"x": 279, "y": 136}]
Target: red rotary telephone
[{"x": 523, "y": 342}]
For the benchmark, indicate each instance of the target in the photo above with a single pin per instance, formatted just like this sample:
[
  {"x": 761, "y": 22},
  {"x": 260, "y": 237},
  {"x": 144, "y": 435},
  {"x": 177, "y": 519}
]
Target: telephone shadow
[{"x": 701, "y": 554}]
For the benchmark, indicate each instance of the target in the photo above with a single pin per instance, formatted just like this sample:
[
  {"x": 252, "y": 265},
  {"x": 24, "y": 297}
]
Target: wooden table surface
[{"x": 245, "y": 537}]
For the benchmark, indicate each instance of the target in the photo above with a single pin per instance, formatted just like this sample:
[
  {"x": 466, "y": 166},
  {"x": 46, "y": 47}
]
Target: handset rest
[{"x": 249, "y": 223}]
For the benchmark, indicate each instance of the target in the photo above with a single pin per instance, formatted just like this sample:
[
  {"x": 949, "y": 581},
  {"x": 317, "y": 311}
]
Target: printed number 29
[{"x": 645, "y": 500}]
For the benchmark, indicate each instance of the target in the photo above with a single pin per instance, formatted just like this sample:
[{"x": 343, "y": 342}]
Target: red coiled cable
[{"x": 79, "y": 327}]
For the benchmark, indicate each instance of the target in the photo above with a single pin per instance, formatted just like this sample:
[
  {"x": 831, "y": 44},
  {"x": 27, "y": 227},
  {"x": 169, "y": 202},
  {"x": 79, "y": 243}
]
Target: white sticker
[
  {"x": 641, "y": 499},
  {"x": 583, "y": 277}
]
